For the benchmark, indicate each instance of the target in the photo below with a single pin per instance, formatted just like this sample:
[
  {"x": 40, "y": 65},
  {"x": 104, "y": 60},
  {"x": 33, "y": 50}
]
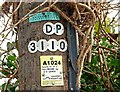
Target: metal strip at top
[{"x": 42, "y": 16}]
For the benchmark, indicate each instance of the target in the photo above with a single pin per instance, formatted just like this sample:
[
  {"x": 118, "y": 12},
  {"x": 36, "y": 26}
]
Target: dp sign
[{"x": 50, "y": 28}]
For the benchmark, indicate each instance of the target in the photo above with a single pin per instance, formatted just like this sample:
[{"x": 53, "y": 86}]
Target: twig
[
  {"x": 49, "y": 5},
  {"x": 114, "y": 51},
  {"x": 80, "y": 61},
  {"x": 79, "y": 73},
  {"x": 108, "y": 77},
  {"x": 114, "y": 18},
  {"x": 91, "y": 41},
  {"x": 114, "y": 8},
  {"x": 90, "y": 10},
  {"x": 5, "y": 25},
  {"x": 12, "y": 15},
  {"x": 105, "y": 31},
  {"x": 89, "y": 85},
  {"x": 26, "y": 16},
  {"x": 17, "y": 7},
  {"x": 5, "y": 52},
  {"x": 2, "y": 23},
  {"x": 5, "y": 36},
  {"x": 76, "y": 6},
  {"x": 4, "y": 69},
  {"x": 68, "y": 19},
  {"x": 91, "y": 71},
  {"x": 99, "y": 54},
  {"x": 11, "y": 77},
  {"x": 8, "y": 22},
  {"x": 101, "y": 66}
]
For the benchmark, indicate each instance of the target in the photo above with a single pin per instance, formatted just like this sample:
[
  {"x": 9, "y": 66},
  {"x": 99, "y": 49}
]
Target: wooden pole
[{"x": 30, "y": 63}]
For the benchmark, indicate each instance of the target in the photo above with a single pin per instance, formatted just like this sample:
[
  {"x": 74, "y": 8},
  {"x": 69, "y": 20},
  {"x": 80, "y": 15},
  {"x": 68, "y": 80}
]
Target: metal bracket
[
  {"x": 72, "y": 50},
  {"x": 72, "y": 46}
]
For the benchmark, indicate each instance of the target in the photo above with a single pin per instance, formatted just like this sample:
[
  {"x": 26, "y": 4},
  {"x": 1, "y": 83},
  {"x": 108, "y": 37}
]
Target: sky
[{"x": 1, "y": 1}]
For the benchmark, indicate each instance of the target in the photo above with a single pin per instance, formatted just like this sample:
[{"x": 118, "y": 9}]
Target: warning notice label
[{"x": 51, "y": 71}]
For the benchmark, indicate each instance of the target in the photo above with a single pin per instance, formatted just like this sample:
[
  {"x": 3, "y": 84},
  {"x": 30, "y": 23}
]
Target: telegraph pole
[
  {"x": 47, "y": 58},
  {"x": 43, "y": 50}
]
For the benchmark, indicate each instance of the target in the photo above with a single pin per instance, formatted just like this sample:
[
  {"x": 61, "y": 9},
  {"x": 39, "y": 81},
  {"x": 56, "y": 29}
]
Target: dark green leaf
[
  {"x": 5, "y": 72},
  {"x": 10, "y": 46},
  {"x": 115, "y": 62},
  {"x": 107, "y": 29},
  {"x": 10, "y": 64},
  {"x": 3, "y": 86},
  {"x": 11, "y": 57}
]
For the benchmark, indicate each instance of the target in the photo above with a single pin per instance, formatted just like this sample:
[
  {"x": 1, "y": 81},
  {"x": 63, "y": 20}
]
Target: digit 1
[
  {"x": 53, "y": 45},
  {"x": 42, "y": 45}
]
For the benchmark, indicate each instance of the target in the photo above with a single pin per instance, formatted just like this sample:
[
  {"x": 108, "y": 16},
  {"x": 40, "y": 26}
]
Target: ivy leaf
[
  {"x": 99, "y": 88},
  {"x": 11, "y": 57},
  {"x": 5, "y": 72},
  {"x": 96, "y": 26},
  {"x": 11, "y": 64},
  {"x": 3, "y": 86},
  {"x": 10, "y": 60},
  {"x": 10, "y": 46},
  {"x": 107, "y": 29},
  {"x": 11, "y": 88},
  {"x": 95, "y": 58},
  {"x": 2, "y": 35},
  {"x": 115, "y": 62}
]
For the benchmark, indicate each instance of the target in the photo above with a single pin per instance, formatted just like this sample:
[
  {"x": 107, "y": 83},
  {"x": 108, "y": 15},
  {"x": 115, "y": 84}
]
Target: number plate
[
  {"x": 51, "y": 45},
  {"x": 44, "y": 16}
]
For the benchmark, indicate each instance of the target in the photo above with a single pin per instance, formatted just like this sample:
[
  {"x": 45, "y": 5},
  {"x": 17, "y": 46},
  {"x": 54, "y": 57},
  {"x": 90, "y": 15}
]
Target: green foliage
[
  {"x": 11, "y": 61},
  {"x": 9, "y": 68},
  {"x": 92, "y": 80},
  {"x": 11, "y": 87},
  {"x": 96, "y": 26},
  {"x": 10, "y": 46}
]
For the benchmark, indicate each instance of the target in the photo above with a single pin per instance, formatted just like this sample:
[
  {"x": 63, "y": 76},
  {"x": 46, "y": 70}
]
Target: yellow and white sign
[{"x": 51, "y": 71}]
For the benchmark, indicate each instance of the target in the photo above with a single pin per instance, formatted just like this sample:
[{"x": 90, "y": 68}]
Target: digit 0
[{"x": 62, "y": 45}]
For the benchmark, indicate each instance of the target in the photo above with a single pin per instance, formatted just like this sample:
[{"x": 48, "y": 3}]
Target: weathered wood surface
[{"x": 29, "y": 70}]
